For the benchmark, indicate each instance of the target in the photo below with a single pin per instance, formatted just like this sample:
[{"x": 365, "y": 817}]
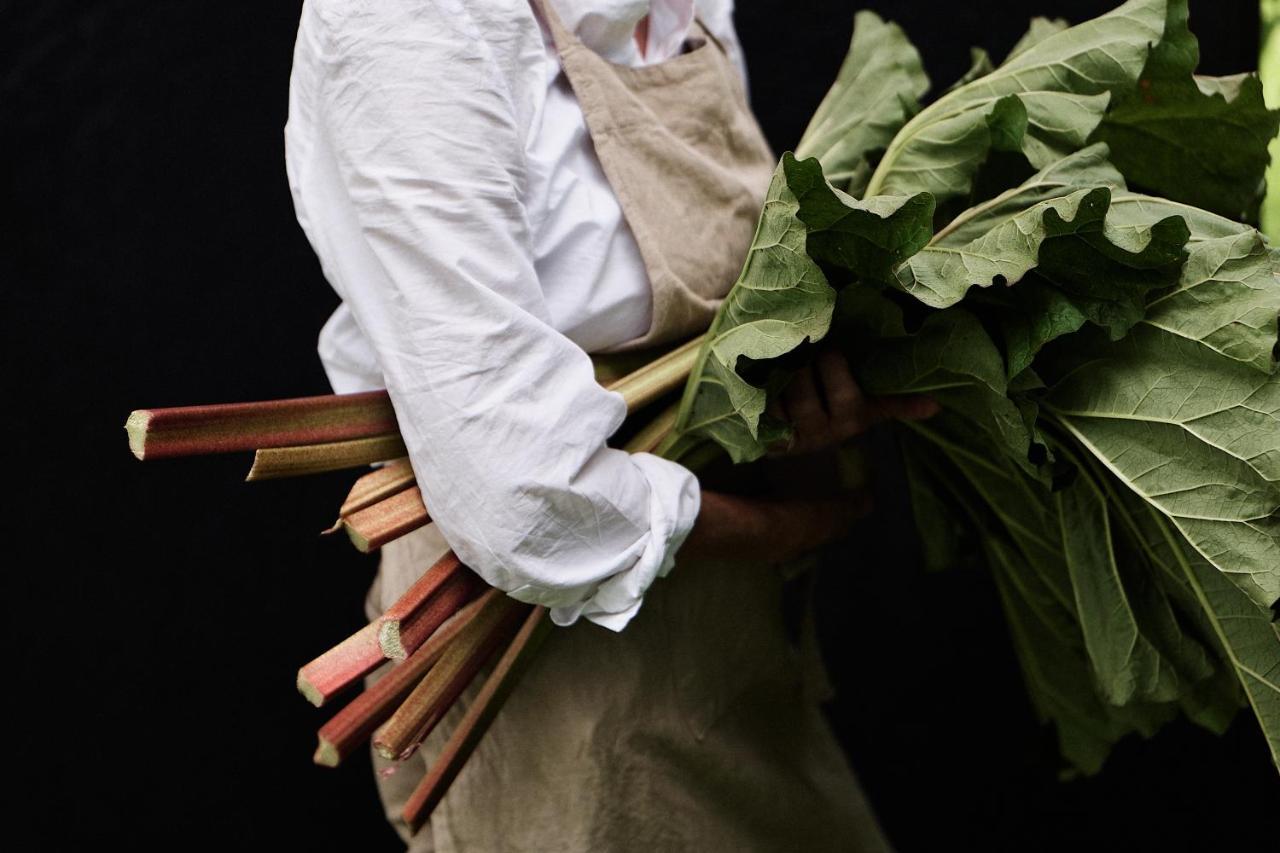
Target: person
[{"x": 497, "y": 190}]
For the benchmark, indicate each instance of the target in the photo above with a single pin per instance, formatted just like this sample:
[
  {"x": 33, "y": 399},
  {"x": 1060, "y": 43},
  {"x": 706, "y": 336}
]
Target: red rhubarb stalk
[
  {"x": 343, "y": 665},
  {"x": 465, "y": 656},
  {"x": 275, "y": 462},
  {"x": 434, "y": 597},
  {"x": 455, "y": 595},
  {"x": 231, "y": 427},
  {"x": 395, "y": 476},
  {"x": 352, "y": 726},
  {"x": 390, "y": 518},
  {"x": 476, "y": 722}
]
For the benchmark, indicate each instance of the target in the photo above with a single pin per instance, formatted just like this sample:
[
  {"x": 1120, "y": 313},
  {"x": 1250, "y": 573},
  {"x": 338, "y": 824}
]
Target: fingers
[
  {"x": 846, "y": 406},
  {"x": 825, "y": 406}
]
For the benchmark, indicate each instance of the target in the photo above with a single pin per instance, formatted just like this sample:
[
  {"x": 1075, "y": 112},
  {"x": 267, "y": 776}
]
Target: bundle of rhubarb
[
  {"x": 1058, "y": 249},
  {"x": 448, "y": 627}
]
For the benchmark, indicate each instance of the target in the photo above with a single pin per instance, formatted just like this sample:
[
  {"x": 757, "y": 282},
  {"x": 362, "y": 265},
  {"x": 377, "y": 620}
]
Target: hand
[{"x": 825, "y": 406}]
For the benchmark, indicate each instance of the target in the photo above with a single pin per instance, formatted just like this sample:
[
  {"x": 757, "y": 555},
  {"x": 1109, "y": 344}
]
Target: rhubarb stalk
[
  {"x": 344, "y": 664},
  {"x": 658, "y": 377},
  {"x": 462, "y": 742},
  {"x": 274, "y": 462},
  {"x": 231, "y": 427},
  {"x": 465, "y": 656},
  {"x": 434, "y": 597},
  {"x": 395, "y": 476},
  {"x": 353, "y": 725},
  {"x": 376, "y": 525},
  {"x": 655, "y": 432}
]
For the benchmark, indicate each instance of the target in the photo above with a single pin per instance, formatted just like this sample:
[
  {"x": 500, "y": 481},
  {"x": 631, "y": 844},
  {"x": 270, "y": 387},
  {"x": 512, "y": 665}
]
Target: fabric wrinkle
[{"x": 660, "y": 715}]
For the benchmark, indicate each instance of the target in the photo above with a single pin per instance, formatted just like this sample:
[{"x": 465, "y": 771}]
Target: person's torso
[{"x": 597, "y": 289}]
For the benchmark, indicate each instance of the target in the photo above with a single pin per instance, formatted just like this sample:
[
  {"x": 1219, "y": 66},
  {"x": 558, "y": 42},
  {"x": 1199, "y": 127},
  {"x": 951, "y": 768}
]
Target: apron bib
[{"x": 692, "y": 728}]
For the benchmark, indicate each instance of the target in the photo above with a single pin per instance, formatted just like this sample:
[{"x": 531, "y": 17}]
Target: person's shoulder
[
  {"x": 467, "y": 41},
  {"x": 494, "y": 22}
]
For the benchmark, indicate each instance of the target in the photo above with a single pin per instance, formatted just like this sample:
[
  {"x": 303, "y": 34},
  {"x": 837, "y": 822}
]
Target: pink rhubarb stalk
[
  {"x": 231, "y": 427},
  {"x": 476, "y": 722},
  {"x": 390, "y": 518},
  {"x": 433, "y": 598},
  {"x": 341, "y": 666},
  {"x": 462, "y": 660},
  {"x": 395, "y": 476},
  {"x": 352, "y": 726}
]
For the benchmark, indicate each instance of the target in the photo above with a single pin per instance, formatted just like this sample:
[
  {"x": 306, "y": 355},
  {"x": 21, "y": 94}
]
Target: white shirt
[{"x": 442, "y": 170}]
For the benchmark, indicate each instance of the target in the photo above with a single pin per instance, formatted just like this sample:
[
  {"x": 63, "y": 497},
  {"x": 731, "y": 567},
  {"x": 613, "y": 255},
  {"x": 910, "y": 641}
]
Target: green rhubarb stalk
[{"x": 276, "y": 462}]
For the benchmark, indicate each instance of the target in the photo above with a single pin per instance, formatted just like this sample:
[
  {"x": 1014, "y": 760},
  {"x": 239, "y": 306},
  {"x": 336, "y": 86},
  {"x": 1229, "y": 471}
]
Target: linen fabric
[
  {"x": 696, "y": 727},
  {"x": 442, "y": 169}
]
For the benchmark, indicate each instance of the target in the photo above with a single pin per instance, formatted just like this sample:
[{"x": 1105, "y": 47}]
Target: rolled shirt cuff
[{"x": 674, "y": 500}]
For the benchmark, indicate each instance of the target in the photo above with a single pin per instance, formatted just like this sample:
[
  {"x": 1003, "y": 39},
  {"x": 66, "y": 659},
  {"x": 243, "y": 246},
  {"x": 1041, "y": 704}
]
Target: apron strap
[{"x": 559, "y": 32}]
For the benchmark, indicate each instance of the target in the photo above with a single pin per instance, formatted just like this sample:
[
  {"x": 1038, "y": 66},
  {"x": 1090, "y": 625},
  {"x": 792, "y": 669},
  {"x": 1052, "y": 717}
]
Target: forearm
[
  {"x": 419, "y": 213},
  {"x": 741, "y": 528}
]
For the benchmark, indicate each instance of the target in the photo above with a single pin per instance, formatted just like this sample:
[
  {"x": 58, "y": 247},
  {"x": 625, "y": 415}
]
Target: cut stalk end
[
  {"x": 136, "y": 427},
  {"x": 326, "y": 754},
  {"x": 389, "y": 640},
  {"x": 357, "y": 539},
  {"x": 309, "y": 690}
]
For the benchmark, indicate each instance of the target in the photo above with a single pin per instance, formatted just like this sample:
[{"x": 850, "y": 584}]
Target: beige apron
[{"x": 690, "y": 730}]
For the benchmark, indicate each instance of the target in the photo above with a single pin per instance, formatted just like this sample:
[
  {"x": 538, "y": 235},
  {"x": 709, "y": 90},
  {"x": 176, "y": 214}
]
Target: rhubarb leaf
[
  {"x": 1198, "y": 140},
  {"x": 782, "y": 299},
  {"x": 1194, "y": 433},
  {"x": 875, "y": 92},
  {"x": 1227, "y": 298},
  {"x": 888, "y": 360},
  {"x": 980, "y": 65},
  {"x": 1057, "y": 673},
  {"x": 1244, "y": 630},
  {"x": 1108, "y": 260},
  {"x": 1135, "y": 646},
  {"x": 1039, "y": 30},
  {"x": 1062, "y": 82}
]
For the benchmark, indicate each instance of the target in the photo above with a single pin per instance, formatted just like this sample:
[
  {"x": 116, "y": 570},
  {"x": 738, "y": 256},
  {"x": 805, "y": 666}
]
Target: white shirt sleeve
[{"x": 425, "y": 235}]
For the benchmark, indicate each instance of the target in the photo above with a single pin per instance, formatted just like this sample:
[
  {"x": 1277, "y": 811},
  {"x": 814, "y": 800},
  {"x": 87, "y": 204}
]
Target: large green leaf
[
  {"x": 1019, "y": 510},
  {"x": 1064, "y": 226},
  {"x": 782, "y": 299},
  {"x": 1213, "y": 702},
  {"x": 1134, "y": 642},
  {"x": 1046, "y": 100},
  {"x": 1198, "y": 140},
  {"x": 1039, "y": 30},
  {"x": 1058, "y": 675},
  {"x": 889, "y": 361},
  {"x": 1244, "y": 630},
  {"x": 876, "y": 91},
  {"x": 1193, "y": 432}
]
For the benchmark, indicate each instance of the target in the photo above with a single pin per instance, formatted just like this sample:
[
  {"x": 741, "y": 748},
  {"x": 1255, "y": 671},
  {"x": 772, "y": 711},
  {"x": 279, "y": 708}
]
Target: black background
[{"x": 158, "y": 611}]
